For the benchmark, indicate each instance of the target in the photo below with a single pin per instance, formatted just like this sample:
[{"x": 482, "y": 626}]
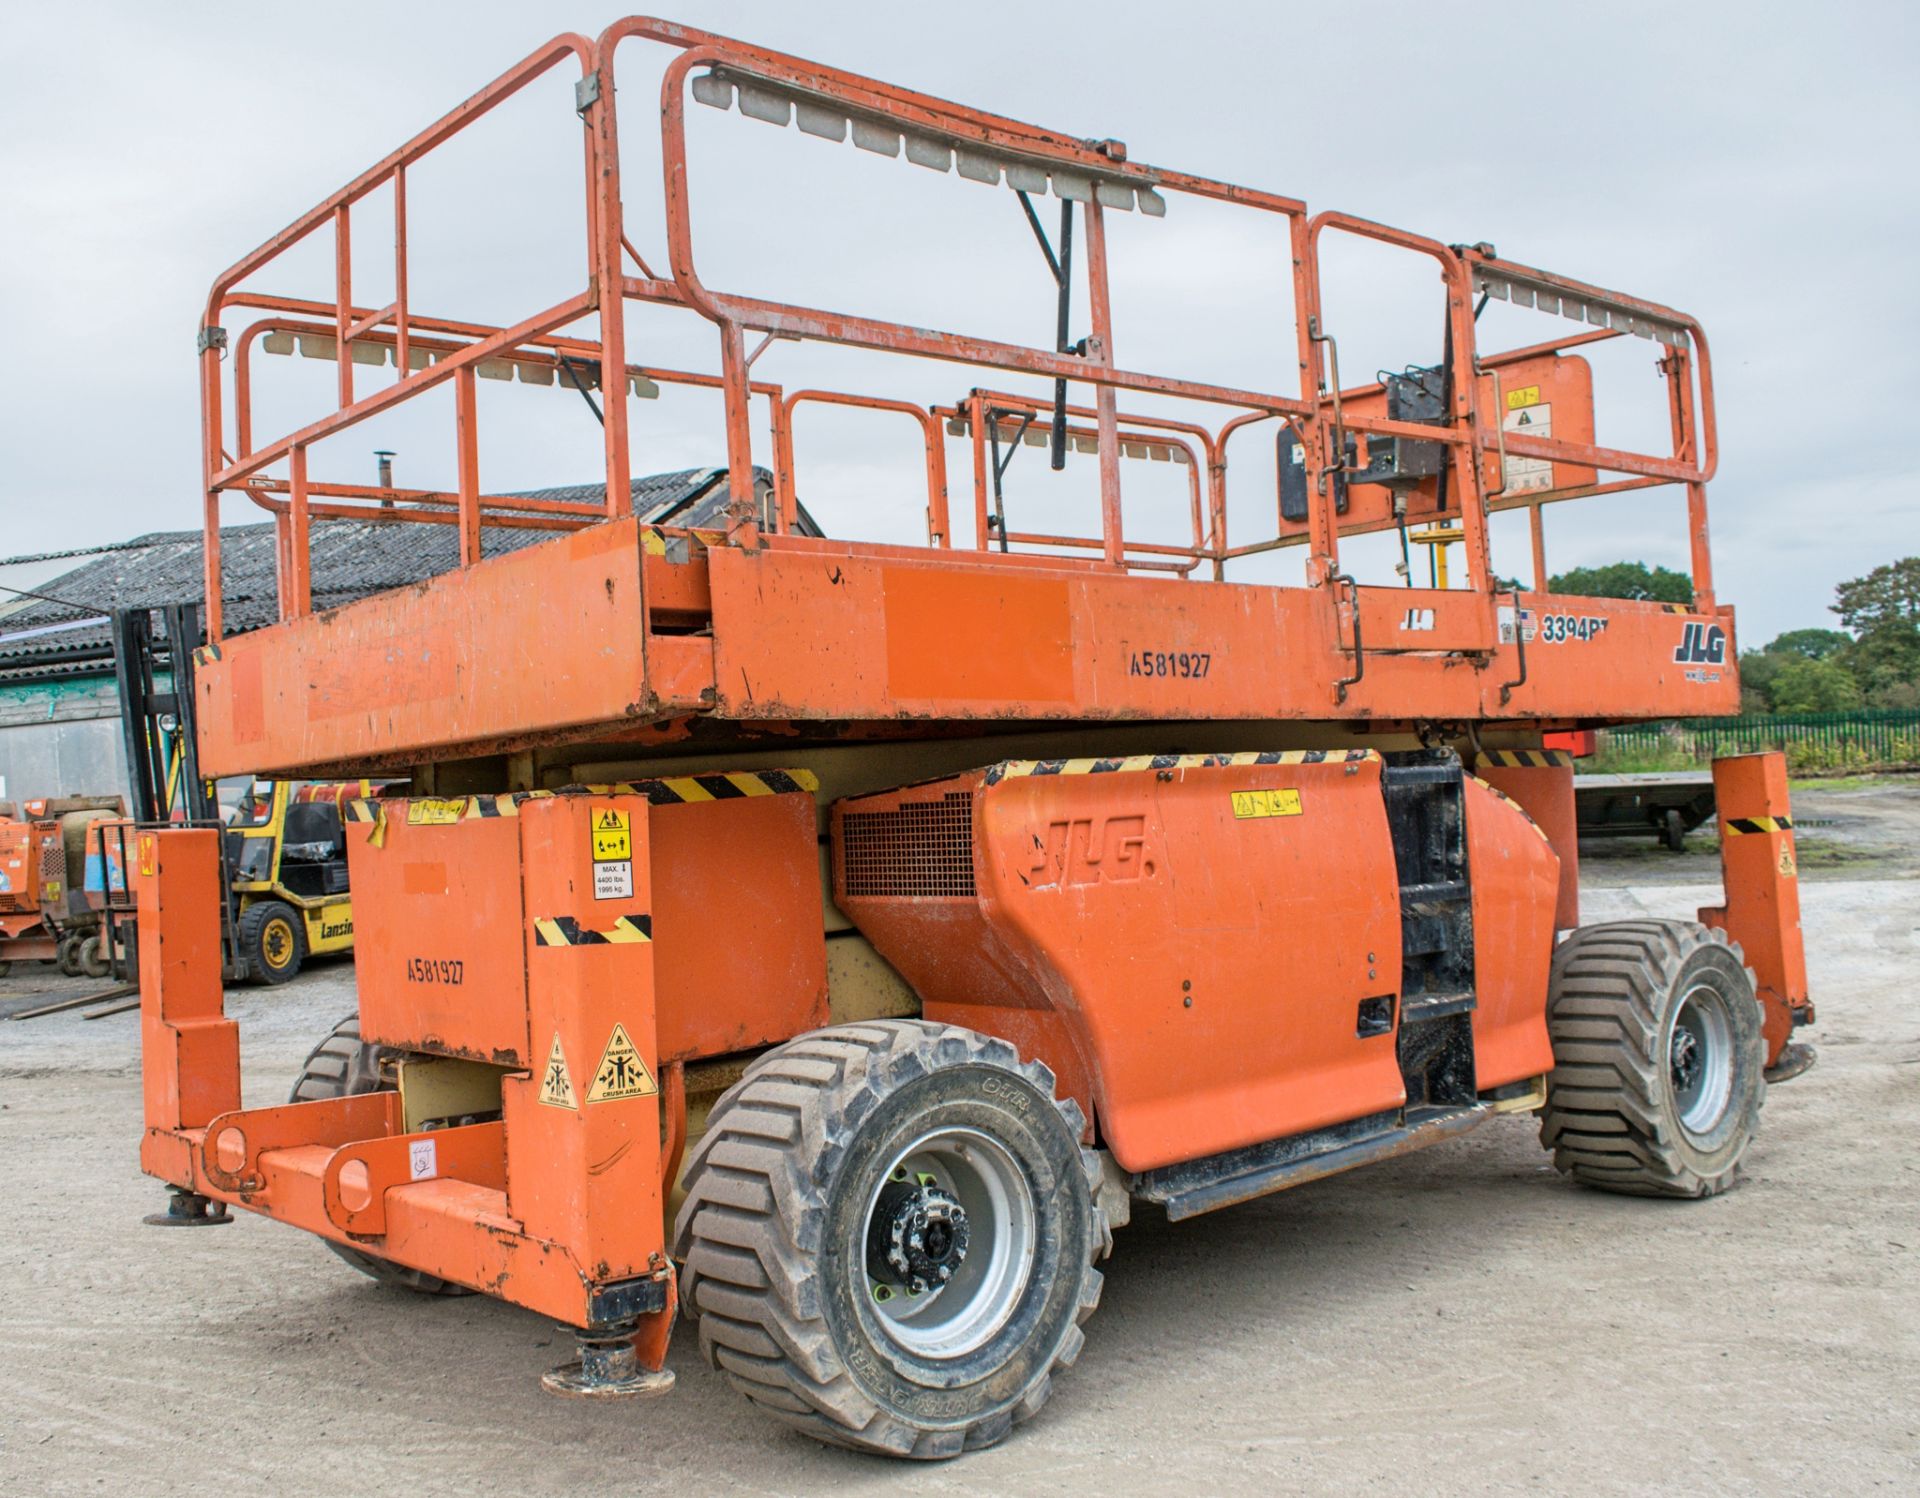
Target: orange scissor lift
[{"x": 829, "y": 940}]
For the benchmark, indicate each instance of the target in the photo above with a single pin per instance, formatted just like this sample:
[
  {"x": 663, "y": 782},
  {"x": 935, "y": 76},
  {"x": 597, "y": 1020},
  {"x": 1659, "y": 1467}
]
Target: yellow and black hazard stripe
[
  {"x": 672, "y": 790},
  {"x": 565, "y": 931},
  {"x": 1013, "y": 769},
  {"x": 1735, "y": 826},
  {"x": 1523, "y": 759},
  {"x": 729, "y": 785}
]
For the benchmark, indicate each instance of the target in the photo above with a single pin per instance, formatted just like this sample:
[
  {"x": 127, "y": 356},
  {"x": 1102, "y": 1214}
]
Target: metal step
[
  {"x": 1224, "y": 1180},
  {"x": 1437, "y": 1005}
]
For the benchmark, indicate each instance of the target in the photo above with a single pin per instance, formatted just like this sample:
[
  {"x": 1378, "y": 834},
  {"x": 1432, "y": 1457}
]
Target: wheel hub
[
  {"x": 1683, "y": 1059},
  {"x": 918, "y": 1237}
]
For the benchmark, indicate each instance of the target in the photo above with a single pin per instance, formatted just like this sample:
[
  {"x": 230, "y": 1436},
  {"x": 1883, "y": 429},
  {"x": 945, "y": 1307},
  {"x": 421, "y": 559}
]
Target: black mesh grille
[
  {"x": 53, "y": 862},
  {"x": 921, "y": 848}
]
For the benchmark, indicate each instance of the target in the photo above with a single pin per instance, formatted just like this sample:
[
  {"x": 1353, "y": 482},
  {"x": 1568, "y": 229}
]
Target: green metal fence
[{"x": 1886, "y": 737}]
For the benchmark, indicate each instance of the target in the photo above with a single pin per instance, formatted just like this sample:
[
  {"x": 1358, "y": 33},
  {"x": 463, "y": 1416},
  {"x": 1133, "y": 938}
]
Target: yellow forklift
[
  {"x": 287, "y": 868},
  {"x": 284, "y": 853}
]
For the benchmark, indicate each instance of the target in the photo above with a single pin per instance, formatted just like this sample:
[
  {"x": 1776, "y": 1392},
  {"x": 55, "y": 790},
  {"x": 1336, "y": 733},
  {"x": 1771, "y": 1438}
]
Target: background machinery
[
  {"x": 830, "y": 939},
  {"x": 44, "y": 911}
]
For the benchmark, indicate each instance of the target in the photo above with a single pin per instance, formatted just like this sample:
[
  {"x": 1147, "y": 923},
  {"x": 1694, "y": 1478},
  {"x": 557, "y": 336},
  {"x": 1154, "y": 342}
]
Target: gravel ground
[{"x": 1459, "y": 1321}]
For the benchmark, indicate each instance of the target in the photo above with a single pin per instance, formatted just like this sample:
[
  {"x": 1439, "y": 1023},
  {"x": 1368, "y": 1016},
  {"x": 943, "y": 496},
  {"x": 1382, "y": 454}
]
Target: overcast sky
[{"x": 1750, "y": 163}]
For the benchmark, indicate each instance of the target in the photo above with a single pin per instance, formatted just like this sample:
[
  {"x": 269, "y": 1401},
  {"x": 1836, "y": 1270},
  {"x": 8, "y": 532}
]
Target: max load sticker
[
  {"x": 612, "y": 854},
  {"x": 621, "y": 1073},
  {"x": 556, "y": 1086}
]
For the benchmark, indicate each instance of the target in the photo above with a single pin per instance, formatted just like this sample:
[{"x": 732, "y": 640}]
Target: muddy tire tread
[
  {"x": 1605, "y": 1117},
  {"x": 753, "y": 1225}
]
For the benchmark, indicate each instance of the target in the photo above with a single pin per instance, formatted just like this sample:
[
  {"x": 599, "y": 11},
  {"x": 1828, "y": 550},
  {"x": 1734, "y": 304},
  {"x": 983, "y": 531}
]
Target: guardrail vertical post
[
  {"x": 594, "y": 102},
  {"x": 1323, "y": 547},
  {"x": 1678, "y": 369},
  {"x": 402, "y": 347},
  {"x": 343, "y": 298},
  {"x": 977, "y": 430},
  {"x": 780, "y": 420},
  {"x": 466, "y": 419},
  {"x": 935, "y": 442},
  {"x": 1105, "y": 404},
  {"x": 298, "y": 570},
  {"x": 743, "y": 519}
]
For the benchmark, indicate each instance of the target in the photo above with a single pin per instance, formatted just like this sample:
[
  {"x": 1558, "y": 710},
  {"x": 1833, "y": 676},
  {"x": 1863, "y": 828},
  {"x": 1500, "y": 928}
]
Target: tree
[
  {"x": 1625, "y": 580},
  {"x": 1759, "y": 670},
  {"x": 1888, "y": 596},
  {"x": 1810, "y": 686},
  {"x": 1883, "y": 611},
  {"x": 1813, "y": 644}
]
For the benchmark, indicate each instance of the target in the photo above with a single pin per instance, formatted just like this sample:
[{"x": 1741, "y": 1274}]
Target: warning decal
[
  {"x": 1526, "y": 395},
  {"x": 612, "y": 836},
  {"x": 426, "y": 813},
  {"x": 556, "y": 1086},
  {"x": 621, "y": 1073},
  {"x": 1526, "y": 475},
  {"x": 1246, "y": 804}
]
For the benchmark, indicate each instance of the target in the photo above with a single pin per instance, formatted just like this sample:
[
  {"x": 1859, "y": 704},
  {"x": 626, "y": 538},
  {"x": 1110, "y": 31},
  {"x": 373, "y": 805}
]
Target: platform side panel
[
  {"x": 1516, "y": 885},
  {"x": 844, "y": 635},
  {"x": 1212, "y": 933},
  {"x": 439, "y": 954},
  {"x": 740, "y": 953},
  {"x": 536, "y": 641}
]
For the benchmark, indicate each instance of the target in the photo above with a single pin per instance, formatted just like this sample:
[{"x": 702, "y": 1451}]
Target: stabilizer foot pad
[
  {"x": 1794, "y": 1059},
  {"x": 572, "y": 1381},
  {"x": 608, "y": 1368},
  {"x": 188, "y": 1209}
]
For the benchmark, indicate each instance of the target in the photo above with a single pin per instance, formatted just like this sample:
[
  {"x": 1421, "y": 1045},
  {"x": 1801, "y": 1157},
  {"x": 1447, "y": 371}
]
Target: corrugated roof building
[{"x": 59, "y": 712}]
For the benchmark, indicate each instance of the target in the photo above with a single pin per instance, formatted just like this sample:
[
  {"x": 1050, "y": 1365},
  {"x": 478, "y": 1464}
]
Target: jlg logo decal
[
  {"x": 1076, "y": 853},
  {"x": 1702, "y": 645}
]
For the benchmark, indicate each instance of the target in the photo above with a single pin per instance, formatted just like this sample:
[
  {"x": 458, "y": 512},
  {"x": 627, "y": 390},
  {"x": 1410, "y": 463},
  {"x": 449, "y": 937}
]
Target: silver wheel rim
[
  {"x": 963, "y": 1314},
  {"x": 1700, "y": 1059}
]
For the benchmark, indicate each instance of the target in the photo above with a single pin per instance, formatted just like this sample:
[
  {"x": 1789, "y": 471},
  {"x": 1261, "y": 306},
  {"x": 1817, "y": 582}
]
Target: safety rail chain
[{"x": 1096, "y": 176}]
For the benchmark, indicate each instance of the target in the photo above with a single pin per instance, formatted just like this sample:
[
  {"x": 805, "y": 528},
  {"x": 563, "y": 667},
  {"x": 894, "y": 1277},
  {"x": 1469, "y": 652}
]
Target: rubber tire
[
  {"x": 1610, "y": 1117},
  {"x": 778, "y": 1184},
  {"x": 6, "y": 967},
  {"x": 67, "y": 955},
  {"x": 1673, "y": 832},
  {"x": 93, "y": 962},
  {"x": 254, "y": 921},
  {"x": 343, "y": 1065}
]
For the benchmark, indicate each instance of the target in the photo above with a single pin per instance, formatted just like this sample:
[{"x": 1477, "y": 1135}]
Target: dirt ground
[{"x": 1459, "y": 1321}]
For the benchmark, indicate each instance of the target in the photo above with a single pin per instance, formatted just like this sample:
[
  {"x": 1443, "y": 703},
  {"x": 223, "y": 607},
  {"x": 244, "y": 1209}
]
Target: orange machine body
[
  {"x": 1192, "y": 943},
  {"x": 33, "y": 888},
  {"x": 563, "y": 940}
]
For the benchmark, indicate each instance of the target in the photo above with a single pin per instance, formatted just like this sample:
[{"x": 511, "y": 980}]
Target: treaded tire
[
  {"x": 1613, "y": 1115},
  {"x": 778, "y": 1193},
  {"x": 343, "y": 1065},
  {"x": 255, "y": 922},
  {"x": 67, "y": 955},
  {"x": 93, "y": 961}
]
